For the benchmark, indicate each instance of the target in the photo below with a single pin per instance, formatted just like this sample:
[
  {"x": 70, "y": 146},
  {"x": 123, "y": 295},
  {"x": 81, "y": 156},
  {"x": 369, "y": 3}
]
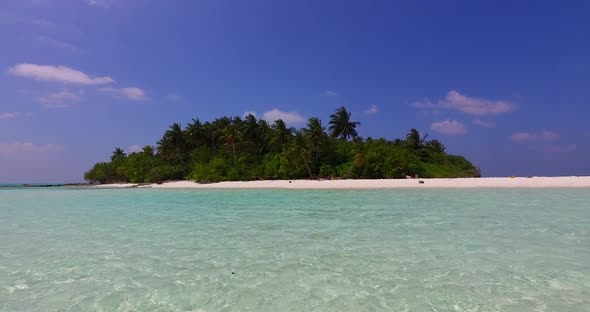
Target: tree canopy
[{"x": 228, "y": 149}]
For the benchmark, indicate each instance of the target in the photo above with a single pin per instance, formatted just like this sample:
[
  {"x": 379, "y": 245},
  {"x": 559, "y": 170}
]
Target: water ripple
[{"x": 255, "y": 250}]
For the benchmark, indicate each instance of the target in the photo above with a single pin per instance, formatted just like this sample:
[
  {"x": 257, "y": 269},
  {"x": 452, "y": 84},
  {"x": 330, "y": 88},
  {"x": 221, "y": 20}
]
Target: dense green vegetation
[{"x": 249, "y": 149}]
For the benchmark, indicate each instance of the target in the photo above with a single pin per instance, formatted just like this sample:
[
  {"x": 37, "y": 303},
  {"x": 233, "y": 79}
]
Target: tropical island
[{"x": 245, "y": 149}]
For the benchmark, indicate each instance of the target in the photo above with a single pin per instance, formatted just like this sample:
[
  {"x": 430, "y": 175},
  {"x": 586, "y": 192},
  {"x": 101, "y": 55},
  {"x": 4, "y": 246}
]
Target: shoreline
[{"x": 456, "y": 183}]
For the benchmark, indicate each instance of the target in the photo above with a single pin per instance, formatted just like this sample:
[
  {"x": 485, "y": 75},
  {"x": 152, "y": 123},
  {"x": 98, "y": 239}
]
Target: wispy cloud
[
  {"x": 132, "y": 93},
  {"x": 58, "y": 44},
  {"x": 99, "y": 3},
  {"x": 560, "y": 149},
  {"x": 16, "y": 21},
  {"x": 15, "y": 115},
  {"x": 521, "y": 136},
  {"x": 483, "y": 124},
  {"x": 425, "y": 104},
  {"x": 253, "y": 113},
  {"x": 27, "y": 147},
  {"x": 467, "y": 105},
  {"x": 287, "y": 117},
  {"x": 57, "y": 73},
  {"x": 8, "y": 115},
  {"x": 329, "y": 93},
  {"x": 371, "y": 111},
  {"x": 13, "y": 18},
  {"x": 173, "y": 98},
  {"x": 71, "y": 76},
  {"x": 42, "y": 23},
  {"x": 61, "y": 99},
  {"x": 450, "y": 127},
  {"x": 528, "y": 136}
]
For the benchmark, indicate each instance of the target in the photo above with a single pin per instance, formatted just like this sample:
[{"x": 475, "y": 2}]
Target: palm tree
[
  {"x": 398, "y": 142},
  {"x": 149, "y": 152},
  {"x": 316, "y": 135},
  {"x": 215, "y": 129},
  {"x": 341, "y": 126},
  {"x": 251, "y": 128},
  {"x": 435, "y": 146},
  {"x": 209, "y": 134},
  {"x": 173, "y": 143},
  {"x": 360, "y": 151},
  {"x": 195, "y": 133},
  {"x": 299, "y": 150},
  {"x": 255, "y": 132},
  {"x": 118, "y": 154},
  {"x": 264, "y": 136},
  {"x": 281, "y": 135},
  {"x": 414, "y": 140},
  {"x": 360, "y": 159},
  {"x": 231, "y": 134}
]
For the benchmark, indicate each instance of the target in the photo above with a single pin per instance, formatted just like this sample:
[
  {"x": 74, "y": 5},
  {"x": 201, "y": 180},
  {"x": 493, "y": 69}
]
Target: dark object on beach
[
  {"x": 289, "y": 181},
  {"x": 233, "y": 272},
  {"x": 421, "y": 182}
]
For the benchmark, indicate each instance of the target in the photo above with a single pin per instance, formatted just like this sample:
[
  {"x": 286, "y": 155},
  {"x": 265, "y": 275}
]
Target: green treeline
[{"x": 229, "y": 149}]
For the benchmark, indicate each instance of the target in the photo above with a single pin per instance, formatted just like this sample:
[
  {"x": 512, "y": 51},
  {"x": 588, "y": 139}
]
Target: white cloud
[
  {"x": 475, "y": 106},
  {"x": 451, "y": 127},
  {"x": 287, "y": 117},
  {"x": 329, "y": 93},
  {"x": 8, "y": 115},
  {"x": 483, "y": 124},
  {"x": 60, "y": 99},
  {"x": 249, "y": 113},
  {"x": 467, "y": 105},
  {"x": 134, "y": 148},
  {"x": 57, "y": 73},
  {"x": 561, "y": 149},
  {"x": 27, "y": 147},
  {"x": 371, "y": 111},
  {"x": 527, "y": 136},
  {"x": 131, "y": 93}
]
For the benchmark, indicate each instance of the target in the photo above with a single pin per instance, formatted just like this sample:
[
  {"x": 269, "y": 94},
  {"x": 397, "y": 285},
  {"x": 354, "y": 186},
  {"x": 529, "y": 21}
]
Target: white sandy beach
[{"x": 534, "y": 182}]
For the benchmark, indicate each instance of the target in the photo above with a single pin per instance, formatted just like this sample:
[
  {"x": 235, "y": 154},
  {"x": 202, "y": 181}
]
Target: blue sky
[{"x": 505, "y": 83}]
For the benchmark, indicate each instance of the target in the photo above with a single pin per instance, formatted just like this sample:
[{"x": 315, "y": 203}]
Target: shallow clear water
[{"x": 286, "y": 250}]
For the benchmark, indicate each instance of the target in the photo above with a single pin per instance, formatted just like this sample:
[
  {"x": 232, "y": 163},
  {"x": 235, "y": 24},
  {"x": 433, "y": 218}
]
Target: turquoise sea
[{"x": 294, "y": 250}]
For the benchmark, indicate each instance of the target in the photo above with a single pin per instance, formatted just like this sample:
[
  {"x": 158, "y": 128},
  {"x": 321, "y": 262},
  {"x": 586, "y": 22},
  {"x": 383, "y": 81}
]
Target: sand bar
[{"x": 534, "y": 182}]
